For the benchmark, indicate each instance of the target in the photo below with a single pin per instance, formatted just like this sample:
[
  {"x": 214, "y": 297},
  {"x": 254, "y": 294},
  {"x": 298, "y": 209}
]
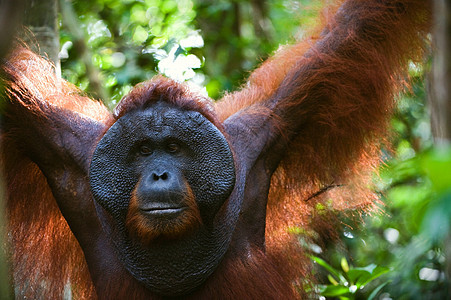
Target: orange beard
[{"x": 146, "y": 229}]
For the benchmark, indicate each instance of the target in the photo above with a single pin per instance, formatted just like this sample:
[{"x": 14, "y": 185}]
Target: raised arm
[
  {"x": 49, "y": 112},
  {"x": 48, "y": 134},
  {"x": 49, "y": 121},
  {"x": 309, "y": 123},
  {"x": 180, "y": 195},
  {"x": 326, "y": 99}
]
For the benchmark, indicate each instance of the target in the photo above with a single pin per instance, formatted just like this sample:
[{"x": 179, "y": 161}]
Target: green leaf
[
  {"x": 140, "y": 35},
  {"x": 344, "y": 264},
  {"x": 332, "y": 279},
  {"x": 362, "y": 276},
  {"x": 357, "y": 276},
  {"x": 335, "y": 291},
  {"x": 377, "y": 271},
  {"x": 328, "y": 267}
]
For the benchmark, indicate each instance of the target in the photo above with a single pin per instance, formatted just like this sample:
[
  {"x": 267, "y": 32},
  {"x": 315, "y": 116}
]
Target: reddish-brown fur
[
  {"x": 259, "y": 270},
  {"x": 147, "y": 231},
  {"x": 344, "y": 95},
  {"x": 44, "y": 251},
  {"x": 149, "y": 92}
]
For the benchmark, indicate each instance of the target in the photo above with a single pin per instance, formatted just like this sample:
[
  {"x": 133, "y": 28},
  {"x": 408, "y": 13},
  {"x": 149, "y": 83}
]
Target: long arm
[
  {"x": 51, "y": 123},
  {"x": 313, "y": 115},
  {"x": 334, "y": 96},
  {"x": 48, "y": 133}
]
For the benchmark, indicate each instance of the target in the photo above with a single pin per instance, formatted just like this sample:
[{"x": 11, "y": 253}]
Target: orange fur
[
  {"x": 146, "y": 231},
  {"x": 45, "y": 253},
  {"x": 337, "y": 94},
  {"x": 338, "y": 91},
  {"x": 260, "y": 271},
  {"x": 148, "y": 92},
  {"x": 38, "y": 75}
]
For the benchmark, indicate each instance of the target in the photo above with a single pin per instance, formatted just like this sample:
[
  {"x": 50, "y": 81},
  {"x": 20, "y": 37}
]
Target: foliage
[
  {"x": 410, "y": 233},
  {"x": 240, "y": 34},
  {"x": 349, "y": 282},
  {"x": 130, "y": 41}
]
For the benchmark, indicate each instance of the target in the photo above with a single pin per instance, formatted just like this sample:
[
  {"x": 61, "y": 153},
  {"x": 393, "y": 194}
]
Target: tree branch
[{"x": 71, "y": 23}]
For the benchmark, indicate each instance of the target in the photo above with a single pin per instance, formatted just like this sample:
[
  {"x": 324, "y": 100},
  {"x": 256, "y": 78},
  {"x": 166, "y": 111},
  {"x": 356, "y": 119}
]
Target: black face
[{"x": 160, "y": 177}]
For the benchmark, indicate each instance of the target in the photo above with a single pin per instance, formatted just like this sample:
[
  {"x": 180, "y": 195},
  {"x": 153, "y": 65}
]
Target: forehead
[{"x": 161, "y": 115}]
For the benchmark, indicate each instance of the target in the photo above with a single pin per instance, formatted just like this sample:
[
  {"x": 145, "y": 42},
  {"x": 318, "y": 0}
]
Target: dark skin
[
  {"x": 171, "y": 195},
  {"x": 160, "y": 155}
]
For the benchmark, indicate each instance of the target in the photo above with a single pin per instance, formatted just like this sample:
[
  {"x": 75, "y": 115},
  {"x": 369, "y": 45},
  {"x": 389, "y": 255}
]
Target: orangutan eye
[
  {"x": 145, "y": 150},
  {"x": 173, "y": 148}
]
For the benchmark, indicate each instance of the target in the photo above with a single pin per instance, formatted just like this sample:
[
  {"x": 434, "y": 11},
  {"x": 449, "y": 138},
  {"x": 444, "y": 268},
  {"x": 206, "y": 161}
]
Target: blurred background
[{"x": 107, "y": 46}]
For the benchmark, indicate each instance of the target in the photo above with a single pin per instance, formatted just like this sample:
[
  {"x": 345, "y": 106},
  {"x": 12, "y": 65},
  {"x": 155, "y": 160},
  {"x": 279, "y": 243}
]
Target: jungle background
[{"x": 107, "y": 46}]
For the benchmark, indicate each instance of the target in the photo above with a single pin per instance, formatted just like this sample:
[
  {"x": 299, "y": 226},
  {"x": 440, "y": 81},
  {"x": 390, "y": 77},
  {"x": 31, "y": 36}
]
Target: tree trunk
[
  {"x": 441, "y": 92},
  {"x": 10, "y": 18},
  {"x": 441, "y": 76},
  {"x": 41, "y": 19},
  {"x": 71, "y": 22}
]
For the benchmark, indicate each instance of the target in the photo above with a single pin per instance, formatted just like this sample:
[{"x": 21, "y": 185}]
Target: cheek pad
[
  {"x": 176, "y": 267},
  {"x": 111, "y": 177},
  {"x": 211, "y": 174},
  {"x": 209, "y": 169}
]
